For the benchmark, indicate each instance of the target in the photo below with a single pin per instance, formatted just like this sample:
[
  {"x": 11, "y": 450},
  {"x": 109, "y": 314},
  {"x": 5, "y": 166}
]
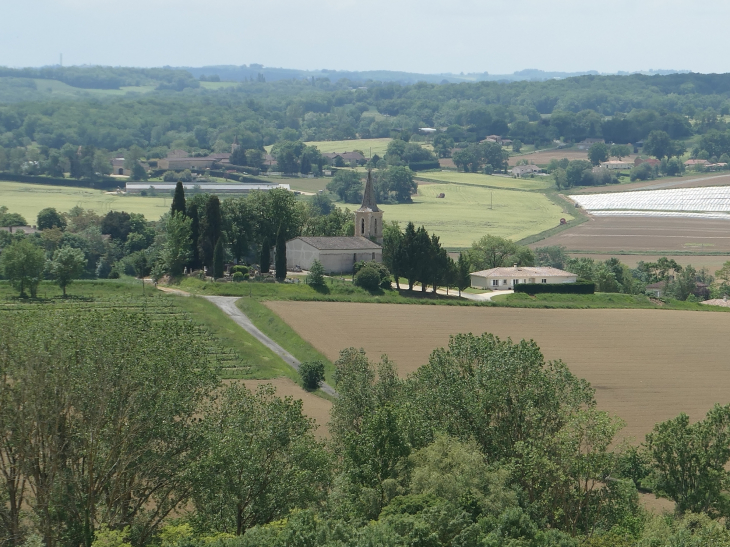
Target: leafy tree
[
  {"x": 11, "y": 219},
  {"x": 442, "y": 145},
  {"x": 689, "y": 461},
  {"x": 316, "y": 274},
  {"x": 372, "y": 276},
  {"x": 492, "y": 252},
  {"x": 67, "y": 264},
  {"x": 178, "y": 200},
  {"x": 139, "y": 172},
  {"x": 237, "y": 226},
  {"x": 554, "y": 256},
  {"x": 724, "y": 272},
  {"x": 23, "y": 263},
  {"x": 620, "y": 151},
  {"x": 578, "y": 173},
  {"x": 400, "y": 182},
  {"x": 660, "y": 145},
  {"x": 193, "y": 213},
  {"x": 598, "y": 153},
  {"x": 50, "y": 218},
  {"x": 262, "y": 460},
  {"x": 643, "y": 171},
  {"x": 177, "y": 248},
  {"x": 312, "y": 374},
  {"x": 280, "y": 262},
  {"x": 516, "y": 146},
  {"x": 347, "y": 185},
  {"x": 116, "y": 224},
  {"x": 218, "y": 259}
]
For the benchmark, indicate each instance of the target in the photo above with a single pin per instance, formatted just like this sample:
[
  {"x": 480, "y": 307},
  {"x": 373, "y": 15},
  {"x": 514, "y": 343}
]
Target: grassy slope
[
  {"x": 378, "y": 146},
  {"x": 464, "y": 215},
  {"x": 29, "y": 199},
  {"x": 491, "y": 181}
]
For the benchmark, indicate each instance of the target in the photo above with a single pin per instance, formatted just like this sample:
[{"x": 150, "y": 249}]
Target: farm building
[
  {"x": 345, "y": 158},
  {"x": 213, "y": 188},
  {"x": 521, "y": 170},
  {"x": 651, "y": 161},
  {"x": 179, "y": 160},
  {"x": 507, "y": 278},
  {"x": 339, "y": 254},
  {"x": 616, "y": 164}
]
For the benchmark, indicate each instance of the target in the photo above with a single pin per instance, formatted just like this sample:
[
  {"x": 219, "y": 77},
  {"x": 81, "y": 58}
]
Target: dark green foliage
[
  {"x": 347, "y": 185},
  {"x": 557, "y": 288},
  {"x": 11, "y": 219},
  {"x": 178, "y": 200},
  {"x": 218, "y": 259},
  {"x": 50, "y": 218},
  {"x": 312, "y": 374},
  {"x": 23, "y": 263},
  {"x": 237, "y": 276},
  {"x": 210, "y": 230},
  {"x": 194, "y": 216},
  {"x": 116, "y": 224},
  {"x": 280, "y": 263},
  {"x": 368, "y": 279},
  {"x": 377, "y": 277},
  {"x": 265, "y": 257},
  {"x": 554, "y": 256},
  {"x": 243, "y": 270},
  {"x": 463, "y": 280},
  {"x": 316, "y": 274}
]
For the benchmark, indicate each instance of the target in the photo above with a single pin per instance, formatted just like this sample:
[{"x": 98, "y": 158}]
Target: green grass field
[
  {"x": 538, "y": 183},
  {"x": 464, "y": 215},
  {"x": 598, "y": 300},
  {"x": 29, "y": 199},
  {"x": 377, "y": 146}
]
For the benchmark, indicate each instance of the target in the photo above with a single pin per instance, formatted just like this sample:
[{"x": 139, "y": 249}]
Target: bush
[
  {"x": 312, "y": 373},
  {"x": 558, "y": 288},
  {"x": 237, "y": 276},
  {"x": 316, "y": 274},
  {"x": 371, "y": 275},
  {"x": 243, "y": 270}
]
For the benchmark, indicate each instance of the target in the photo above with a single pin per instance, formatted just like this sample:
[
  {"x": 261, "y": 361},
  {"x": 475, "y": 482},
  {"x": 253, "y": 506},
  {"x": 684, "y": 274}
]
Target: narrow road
[{"x": 228, "y": 305}]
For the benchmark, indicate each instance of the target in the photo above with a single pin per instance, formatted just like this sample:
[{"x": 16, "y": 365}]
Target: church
[{"x": 339, "y": 254}]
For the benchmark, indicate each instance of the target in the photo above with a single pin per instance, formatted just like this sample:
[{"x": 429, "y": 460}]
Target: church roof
[
  {"x": 368, "y": 197},
  {"x": 339, "y": 243}
]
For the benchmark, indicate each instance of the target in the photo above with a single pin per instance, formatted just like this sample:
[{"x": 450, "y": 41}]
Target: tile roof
[
  {"x": 522, "y": 271},
  {"x": 339, "y": 243}
]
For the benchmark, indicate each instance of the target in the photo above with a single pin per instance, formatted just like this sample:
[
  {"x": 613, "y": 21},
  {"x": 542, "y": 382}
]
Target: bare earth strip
[
  {"x": 612, "y": 234},
  {"x": 647, "y": 365},
  {"x": 313, "y": 406}
]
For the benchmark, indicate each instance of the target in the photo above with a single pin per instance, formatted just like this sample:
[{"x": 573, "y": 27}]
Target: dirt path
[{"x": 228, "y": 305}]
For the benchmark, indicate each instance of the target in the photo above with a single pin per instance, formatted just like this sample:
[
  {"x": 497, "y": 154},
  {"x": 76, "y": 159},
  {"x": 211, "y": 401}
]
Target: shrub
[
  {"x": 312, "y": 373},
  {"x": 237, "y": 276},
  {"x": 562, "y": 288},
  {"x": 316, "y": 274},
  {"x": 371, "y": 275},
  {"x": 243, "y": 270}
]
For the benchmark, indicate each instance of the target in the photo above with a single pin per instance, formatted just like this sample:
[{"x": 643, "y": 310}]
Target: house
[
  {"x": 347, "y": 158},
  {"x": 585, "y": 144},
  {"x": 616, "y": 164},
  {"x": 507, "y": 278},
  {"x": 339, "y": 254},
  {"x": 179, "y": 160},
  {"x": 506, "y": 142},
  {"x": 651, "y": 161},
  {"x": 118, "y": 167},
  {"x": 520, "y": 170},
  {"x": 695, "y": 163},
  {"x": 492, "y": 138}
]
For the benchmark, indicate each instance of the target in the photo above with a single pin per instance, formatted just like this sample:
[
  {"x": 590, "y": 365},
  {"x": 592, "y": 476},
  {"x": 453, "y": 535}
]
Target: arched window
[{"x": 362, "y": 229}]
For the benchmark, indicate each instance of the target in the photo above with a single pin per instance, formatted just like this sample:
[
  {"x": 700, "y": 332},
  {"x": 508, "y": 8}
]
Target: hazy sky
[{"x": 496, "y": 36}]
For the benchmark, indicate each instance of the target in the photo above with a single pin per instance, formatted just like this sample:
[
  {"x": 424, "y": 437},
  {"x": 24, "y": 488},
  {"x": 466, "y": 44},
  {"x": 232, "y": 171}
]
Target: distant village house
[{"x": 507, "y": 278}]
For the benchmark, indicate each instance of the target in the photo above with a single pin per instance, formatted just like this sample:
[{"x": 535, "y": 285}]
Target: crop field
[
  {"x": 615, "y": 233},
  {"x": 466, "y": 213},
  {"x": 314, "y": 407},
  {"x": 543, "y": 157},
  {"x": 711, "y": 262},
  {"x": 689, "y": 180},
  {"x": 538, "y": 183},
  {"x": 29, "y": 199},
  {"x": 646, "y": 365},
  {"x": 377, "y": 146}
]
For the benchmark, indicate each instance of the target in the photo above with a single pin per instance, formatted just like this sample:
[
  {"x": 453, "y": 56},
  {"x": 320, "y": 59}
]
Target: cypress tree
[
  {"x": 265, "y": 260},
  {"x": 210, "y": 230},
  {"x": 178, "y": 200},
  {"x": 280, "y": 256},
  {"x": 218, "y": 259},
  {"x": 192, "y": 213}
]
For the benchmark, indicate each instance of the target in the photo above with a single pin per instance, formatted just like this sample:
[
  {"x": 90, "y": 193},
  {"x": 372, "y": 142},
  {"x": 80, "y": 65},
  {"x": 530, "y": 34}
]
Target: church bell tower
[{"x": 368, "y": 218}]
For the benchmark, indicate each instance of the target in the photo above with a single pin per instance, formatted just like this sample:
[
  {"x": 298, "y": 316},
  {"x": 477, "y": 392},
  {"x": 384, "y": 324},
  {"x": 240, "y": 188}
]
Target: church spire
[{"x": 368, "y": 197}]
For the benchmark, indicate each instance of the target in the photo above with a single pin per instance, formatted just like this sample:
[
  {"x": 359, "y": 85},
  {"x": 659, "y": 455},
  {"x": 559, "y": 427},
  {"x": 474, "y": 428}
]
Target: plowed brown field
[
  {"x": 606, "y": 234},
  {"x": 646, "y": 365}
]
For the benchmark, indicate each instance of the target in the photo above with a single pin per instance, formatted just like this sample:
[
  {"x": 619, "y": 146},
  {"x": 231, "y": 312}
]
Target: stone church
[{"x": 339, "y": 254}]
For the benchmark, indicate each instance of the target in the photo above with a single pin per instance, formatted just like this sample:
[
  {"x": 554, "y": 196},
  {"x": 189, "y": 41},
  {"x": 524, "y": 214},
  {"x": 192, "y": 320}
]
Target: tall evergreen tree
[
  {"x": 409, "y": 271},
  {"x": 194, "y": 215},
  {"x": 178, "y": 200},
  {"x": 218, "y": 256},
  {"x": 280, "y": 256},
  {"x": 393, "y": 250},
  {"x": 265, "y": 260},
  {"x": 462, "y": 273},
  {"x": 210, "y": 230},
  {"x": 422, "y": 257}
]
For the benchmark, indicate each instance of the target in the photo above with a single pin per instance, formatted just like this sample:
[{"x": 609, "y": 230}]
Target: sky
[{"x": 426, "y": 36}]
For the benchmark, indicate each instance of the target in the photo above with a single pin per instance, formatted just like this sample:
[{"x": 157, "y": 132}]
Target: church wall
[{"x": 303, "y": 255}]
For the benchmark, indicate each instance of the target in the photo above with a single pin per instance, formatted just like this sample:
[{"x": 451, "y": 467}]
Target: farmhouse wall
[{"x": 507, "y": 282}]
